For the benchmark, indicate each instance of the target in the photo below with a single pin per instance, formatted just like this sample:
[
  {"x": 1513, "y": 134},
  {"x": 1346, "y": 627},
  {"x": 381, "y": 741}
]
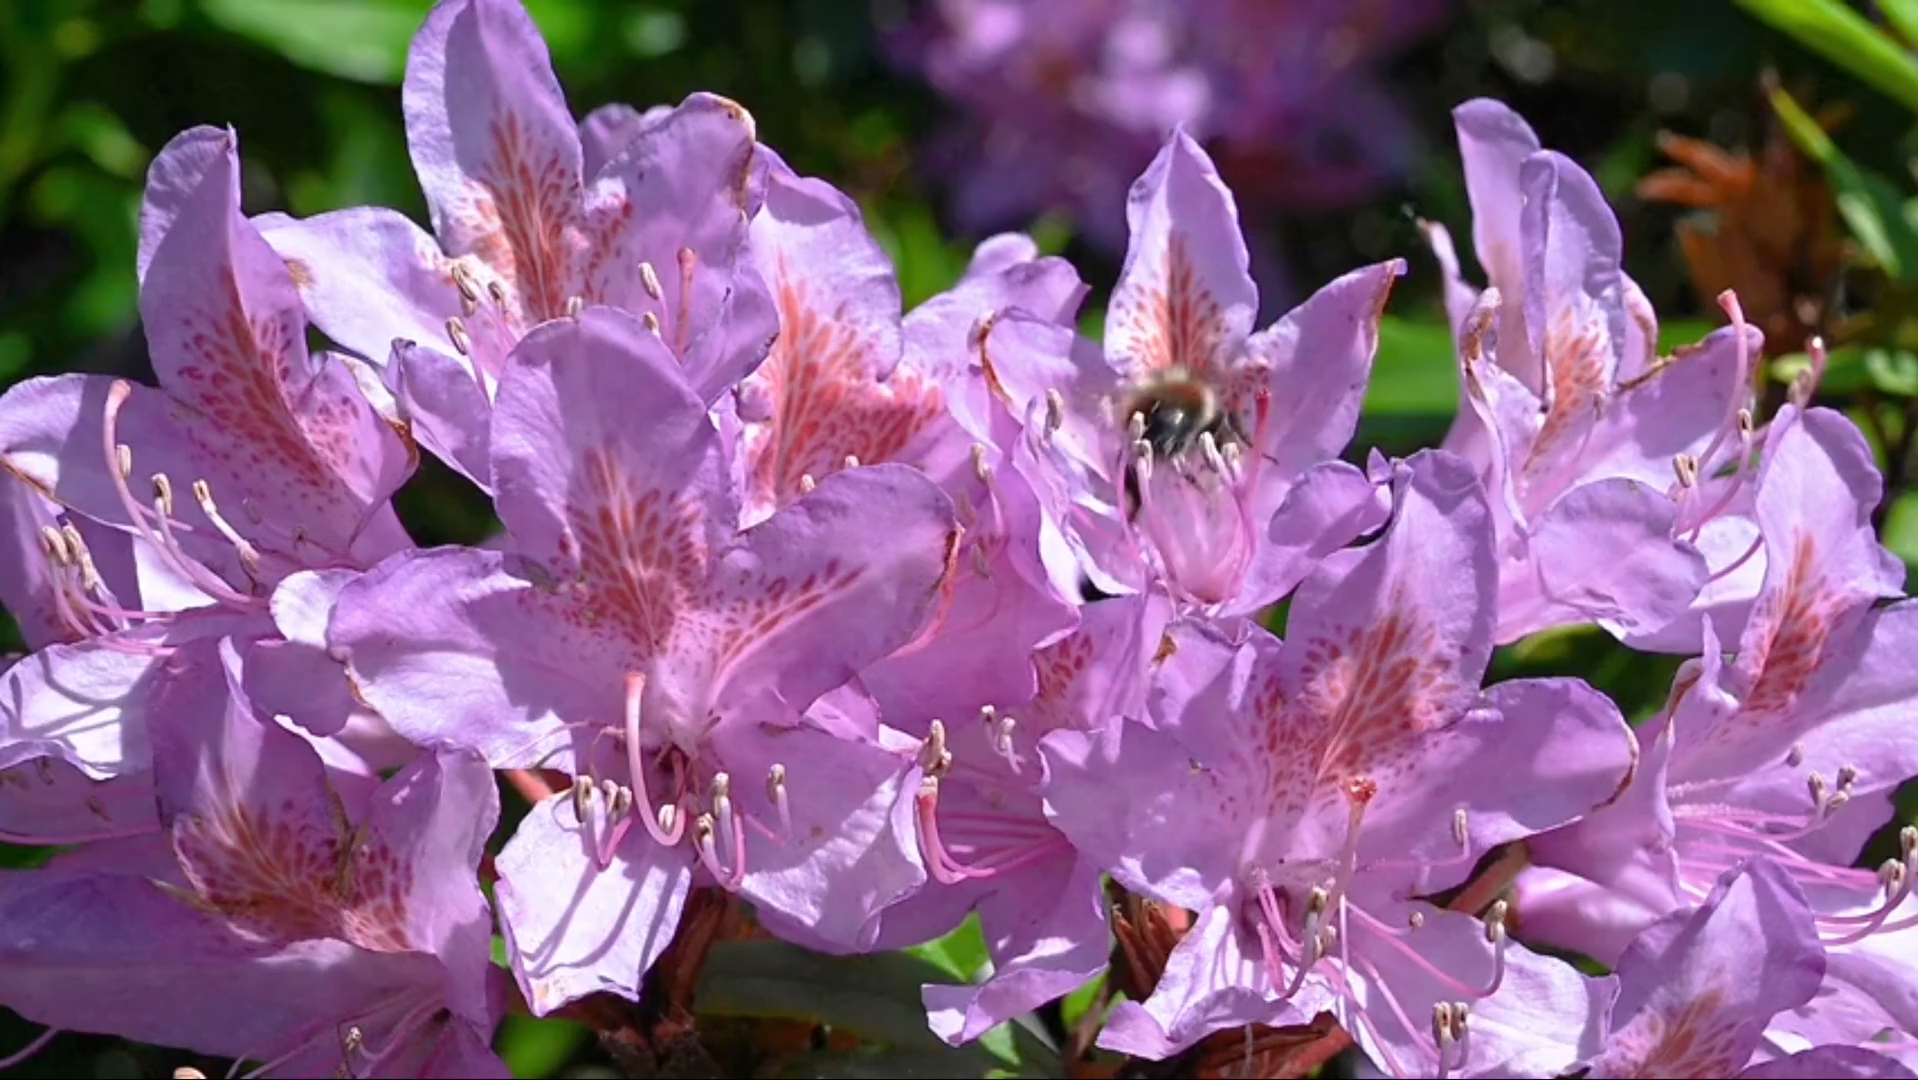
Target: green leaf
[
  {"x": 366, "y": 40},
  {"x": 1676, "y": 332},
  {"x": 362, "y": 40},
  {"x": 875, "y": 996},
  {"x": 1872, "y": 207},
  {"x": 1901, "y": 530},
  {"x": 1903, "y": 16},
  {"x": 1845, "y": 370},
  {"x": 1847, "y": 39},
  {"x": 1895, "y": 371},
  {"x": 534, "y": 1047},
  {"x": 961, "y": 954},
  {"x": 1416, "y": 370}
]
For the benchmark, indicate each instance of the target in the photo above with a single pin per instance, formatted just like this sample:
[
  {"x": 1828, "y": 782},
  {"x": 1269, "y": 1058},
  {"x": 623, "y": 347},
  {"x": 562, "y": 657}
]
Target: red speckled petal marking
[
  {"x": 1576, "y": 362},
  {"x": 1168, "y": 319},
  {"x": 1692, "y": 1044},
  {"x": 739, "y": 619},
  {"x": 1376, "y": 689},
  {"x": 825, "y": 403},
  {"x": 642, "y": 552},
  {"x": 520, "y": 217},
  {"x": 280, "y": 875},
  {"x": 1790, "y": 626},
  {"x": 235, "y": 379}
]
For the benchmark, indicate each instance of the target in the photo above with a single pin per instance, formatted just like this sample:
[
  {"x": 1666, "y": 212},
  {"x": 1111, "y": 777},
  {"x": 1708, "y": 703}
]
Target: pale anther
[
  {"x": 775, "y": 781},
  {"x": 497, "y": 291},
  {"x": 1460, "y": 836},
  {"x": 456, "y": 331},
  {"x": 55, "y": 545},
  {"x": 1056, "y": 410},
  {"x": 1415, "y": 920},
  {"x": 575, "y": 305},
  {"x": 1495, "y": 921},
  {"x": 650, "y": 280},
  {"x": 979, "y": 467},
  {"x": 163, "y": 493},
  {"x": 123, "y": 460},
  {"x": 807, "y": 483},
  {"x": 1795, "y": 756},
  {"x": 852, "y": 461},
  {"x": 651, "y": 322}
]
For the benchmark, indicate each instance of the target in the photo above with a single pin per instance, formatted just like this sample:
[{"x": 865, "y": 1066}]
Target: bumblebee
[{"x": 1175, "y": 411}]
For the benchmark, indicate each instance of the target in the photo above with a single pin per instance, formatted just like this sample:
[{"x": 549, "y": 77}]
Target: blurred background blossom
[{"x": 1765, "y": 145}]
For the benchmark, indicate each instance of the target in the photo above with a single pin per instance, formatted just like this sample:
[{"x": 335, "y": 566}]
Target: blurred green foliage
[{"x": 89, "y": 89}]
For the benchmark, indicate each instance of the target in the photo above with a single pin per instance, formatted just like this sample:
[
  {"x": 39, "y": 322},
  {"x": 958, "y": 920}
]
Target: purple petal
[
  {"x": 805, "y": 601},
  {"x": 496, "y": 149},
  {"x": 678, "y": 198},
  {"x": 608, "y": 129},
  {"x": 430, "y": 822},
  {"x": 1331, "y": 505},
  {"x": 1673, "y": 408},
  {"x": 1563, "y": 746},
  {"x": 1047, "y": 938},
  {"x": 1210, "y": 983},
  {"x": 1318, "y": 358},
  {"x": 1574, "y": 319},
  {"x": 1167, "y": 810},
  {"x": 1829, "y": 1063},
  {"x": 573, "y": 929},
  {"x": 1185, "y": 298},
  {"x": 1698, "y": 988},
  {"x": 1561, "y": 910},
  {"x": 1006, "y": 272},
  {"x": 843, "y": 861},
  {"x": 109, "y": 952},
  {"x": 1604, "y": 552},
  {"x": 1389, "y": 641},
  {"x": 606, "y": 466},
  {"x": 1494, "y": 142},
  {"x": 1543, "y": 1015},
  {"x": 175, "y": 173},
  {"x": 296, "y": 677},
  {"x": 227, "y": 333},
  {"x": 451, "y": 645},
  {"x": 369, "y": 277},
  {"x": 448, "y": 410}
]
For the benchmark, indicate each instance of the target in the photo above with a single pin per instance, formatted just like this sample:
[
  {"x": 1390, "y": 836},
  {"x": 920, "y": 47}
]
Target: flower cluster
[
  {"x": 1062, "y": 101},
  {"x": 875, "y": 619}
]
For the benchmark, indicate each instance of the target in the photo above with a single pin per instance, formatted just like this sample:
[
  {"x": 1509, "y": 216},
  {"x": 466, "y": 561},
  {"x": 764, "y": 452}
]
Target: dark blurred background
[{"x": 947, "y": 121}]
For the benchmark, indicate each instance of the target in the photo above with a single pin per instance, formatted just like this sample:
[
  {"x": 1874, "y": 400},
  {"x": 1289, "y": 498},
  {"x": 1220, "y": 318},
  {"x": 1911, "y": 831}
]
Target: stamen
[
  {"x": 656, "y": 824},
  {"x": 979, "y": 467},
  {"x": 1415, "y": 920},
  {"x": 1056, "y": 412},
  {"x": 1460, "y": 836},
  {"x": 1135, "y": 428},
  {"x": 934, "y": 759},
  {"x": 575, "y": 305},
  {"x": 980, "y": 566},
  {"x": 650, "y": 280},
  {"x": 203, "y": 494},
  {"x": 1795, "y": 756},
  {"x": 1445, "y": 1036},
  {"x": 162, "y": 495},
  {"x": 1805, "y": 383},
  {"x": 776, "y": 794},
  {"x": 456, "y": 332},
  {"x": 1495, "y": 937},
  {"x": 38, "y": 1044},
  {"x": 651, "y": 322},
  {"x": 1686, "y": 467},
  {"x": 469, "y": 287},
  {"x": 498, "y": 292},
  {"x": 852, "y": 461},
  {"x": 687, "y": 260},
  {"x": 1728, "y": 300},
  {"x": 1209, "y": 451},
  {"x": 704, "y": 831}
]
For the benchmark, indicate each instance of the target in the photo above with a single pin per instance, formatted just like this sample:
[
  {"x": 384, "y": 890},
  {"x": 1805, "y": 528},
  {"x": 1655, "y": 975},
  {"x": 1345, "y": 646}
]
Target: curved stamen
[
  {"x": 776, "y": 794},
  {"x": 38, "y": 1044},
  {"x": 687, "y": 261},
  {"x": 1728, "y": 300},
  {"x": 663, "y": 831}
]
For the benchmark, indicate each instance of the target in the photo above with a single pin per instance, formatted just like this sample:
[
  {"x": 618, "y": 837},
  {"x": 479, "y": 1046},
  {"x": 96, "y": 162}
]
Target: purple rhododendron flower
[
  {"x": 534, "y": 215},
  {"x": 279, "y": 910},
  {"x": 849, "y": 381},
  {"x": 1791, "y": 749},
  {"x": 262, "y": 473},
  {"x": 1302, "y": 796},
  {"x": 630, "y": 635},
  {"x": 1194, "y": 453},
  {"x": 1573, "y": 420}
]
